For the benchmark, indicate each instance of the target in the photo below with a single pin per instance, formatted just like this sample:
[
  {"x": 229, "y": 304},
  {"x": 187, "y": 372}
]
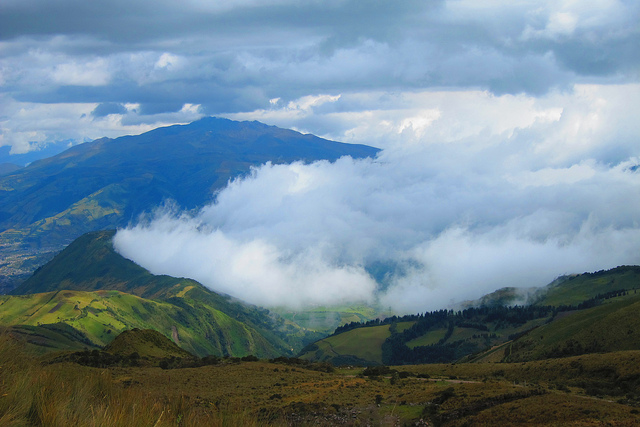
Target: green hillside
[
  {"x": 90, "y": 263},
  {"x": 587, "y": 313},
  {"x": 101, "y": 315},
  {"x": 100, "y": 293},
  {"x": 48, "y": 337},
  {"x": 361, "y": 346},
  {"x": 612, "y": 326},
  {"x": 571, "y": 290},
  {"x": 147, "y": 343}
]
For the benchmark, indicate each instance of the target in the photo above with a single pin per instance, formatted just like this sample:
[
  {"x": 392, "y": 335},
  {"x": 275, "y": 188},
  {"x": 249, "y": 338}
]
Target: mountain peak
[{"x": 107, "y": 183}]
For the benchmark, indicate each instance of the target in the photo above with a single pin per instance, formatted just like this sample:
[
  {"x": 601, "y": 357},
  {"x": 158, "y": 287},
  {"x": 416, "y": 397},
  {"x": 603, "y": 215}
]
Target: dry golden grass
[
  {"x": 263, "y": 393},
  {"x": 67, "y": 394}
]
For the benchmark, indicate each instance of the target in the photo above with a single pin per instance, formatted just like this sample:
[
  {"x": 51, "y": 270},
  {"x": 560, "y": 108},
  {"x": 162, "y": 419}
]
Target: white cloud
[
  {"x": 169, "y": 61},
  {"x": 230, "y": 266},
  {"x": 57, "y": 122},
  {"x": 555, "y": 176},
  {"x": 92, "y": 73},
  {"x": 237, "y": 57},
  {"x": 464, "y": 212},
  {"x": 560, "y": 128}
]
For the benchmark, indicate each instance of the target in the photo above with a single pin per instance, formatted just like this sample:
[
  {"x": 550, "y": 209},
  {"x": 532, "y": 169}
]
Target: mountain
[
  {"x": 574, "y": 315},
  {"x": 99, "y": 293},
  {"x": 7, "y": 168},
  {"x": 107, "y": 183}
]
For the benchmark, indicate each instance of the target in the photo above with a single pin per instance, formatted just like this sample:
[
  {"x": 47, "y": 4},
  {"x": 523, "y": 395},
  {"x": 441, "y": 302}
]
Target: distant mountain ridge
[{"x": 106, "y": 183}]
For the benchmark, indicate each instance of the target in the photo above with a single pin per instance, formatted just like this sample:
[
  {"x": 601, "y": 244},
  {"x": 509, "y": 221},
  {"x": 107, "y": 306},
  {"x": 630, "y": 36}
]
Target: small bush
[{"x": 374, "y": 371}]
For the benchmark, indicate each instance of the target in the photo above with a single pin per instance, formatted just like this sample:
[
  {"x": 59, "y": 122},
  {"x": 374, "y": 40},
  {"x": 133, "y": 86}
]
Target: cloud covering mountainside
[
  {"x": 509, "y": 133},
  {"x": 552, "y": 188}
]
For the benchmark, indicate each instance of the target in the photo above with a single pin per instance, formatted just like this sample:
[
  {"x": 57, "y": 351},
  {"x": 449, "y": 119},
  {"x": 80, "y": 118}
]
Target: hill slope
[
  {"x": 100, "y": 316},
  {"x": 108, "y": 182},
  {"x": 570, "y": 290},
  {"x": 145, "y": 342},
  {"x": 96, "y": 290},
  {"x": 580, "y": 314}
]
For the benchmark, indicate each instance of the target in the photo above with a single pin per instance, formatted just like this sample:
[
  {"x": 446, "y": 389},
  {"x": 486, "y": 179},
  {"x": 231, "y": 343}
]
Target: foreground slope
[
  {"x": 108, "y": 182},
  {"x": 92, "y": 288},
  {"x": 579, "y": 391}
]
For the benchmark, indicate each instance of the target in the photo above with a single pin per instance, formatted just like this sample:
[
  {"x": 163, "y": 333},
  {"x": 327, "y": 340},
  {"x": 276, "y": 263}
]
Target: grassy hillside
[
  {"x": 572, "y": 290},
  {"x": 90, "y": 263},
  {"x": 612, "y": 326},
  {"x": 101, "y": 315},
  {"x": 358, "y": 346},
  {"x": 441, "y": 336},
  {"x": 208, "y": 323},
  {"x": 362, "y": 346},
  {"x": 587, "y": 313},
  {"x": 145, "y": 343},
  {"x": 48, "y": 338},
  {"x": 586, "y": 391}
]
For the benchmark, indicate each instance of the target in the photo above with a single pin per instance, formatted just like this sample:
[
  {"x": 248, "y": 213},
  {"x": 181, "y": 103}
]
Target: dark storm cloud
[
  {"x": 241, "y": 54},
  {"x": 107, "y": 108}
]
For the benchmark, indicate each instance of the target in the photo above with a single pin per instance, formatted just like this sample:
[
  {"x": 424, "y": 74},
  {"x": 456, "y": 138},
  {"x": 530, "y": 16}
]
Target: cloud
[
  {"x": 107, "y": 108},
  {"x": 559, "y": 128},
  {"x": 78, "y": 122},
  {"x": 430, "y": 221},
  {"x": 491, "y": 115},
  {"x": 236, "y": 57}
]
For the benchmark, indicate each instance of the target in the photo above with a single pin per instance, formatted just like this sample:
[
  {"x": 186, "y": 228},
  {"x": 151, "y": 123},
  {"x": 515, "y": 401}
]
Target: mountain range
[
  {"x": 88, "y": 293},
  {"x": 107, "y": 183}
]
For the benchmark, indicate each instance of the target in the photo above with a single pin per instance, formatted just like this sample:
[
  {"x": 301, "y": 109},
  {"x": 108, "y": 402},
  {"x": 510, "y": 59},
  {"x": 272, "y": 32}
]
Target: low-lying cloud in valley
[
  {"x": 509, "y": 133},
  {"x": 446, "y": 212}
]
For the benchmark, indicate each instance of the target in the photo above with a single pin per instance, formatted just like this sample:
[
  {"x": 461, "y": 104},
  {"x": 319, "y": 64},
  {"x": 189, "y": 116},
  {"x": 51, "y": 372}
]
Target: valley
[
  {"x": 89, "y": 336},
  {"x": 185, "y": 355},
  {"x": 319, "y": 213}
]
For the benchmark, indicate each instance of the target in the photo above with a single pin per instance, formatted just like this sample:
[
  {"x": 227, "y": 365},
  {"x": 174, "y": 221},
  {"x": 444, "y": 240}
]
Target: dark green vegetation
[
  {"x": 98, "y": 293},
  {"x": 49, "y": 337},
  {"x": 581, "y": 391},
  {"x": 580, "y": 314},
  {"x": 145, "y": 343},
  {"x": 107, "y": 183}
]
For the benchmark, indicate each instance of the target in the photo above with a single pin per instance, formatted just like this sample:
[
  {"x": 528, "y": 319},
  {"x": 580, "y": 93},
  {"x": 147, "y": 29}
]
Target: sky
[{"x": 509, "y": 132}]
